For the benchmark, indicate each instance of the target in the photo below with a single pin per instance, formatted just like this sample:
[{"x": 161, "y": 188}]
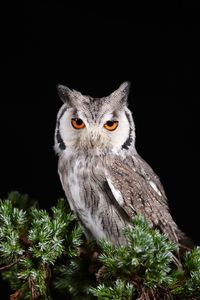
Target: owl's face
[{"x": 97, "y": 125}]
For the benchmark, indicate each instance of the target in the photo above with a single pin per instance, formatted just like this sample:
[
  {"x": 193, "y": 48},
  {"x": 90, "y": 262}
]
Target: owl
[{"x": 105, "y": 180}]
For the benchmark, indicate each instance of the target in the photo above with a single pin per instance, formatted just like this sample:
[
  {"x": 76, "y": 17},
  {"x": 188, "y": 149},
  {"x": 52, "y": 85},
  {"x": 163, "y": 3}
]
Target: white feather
[
  {"x": 154, "y": 186},
  {"x": 116, "y": 193}
]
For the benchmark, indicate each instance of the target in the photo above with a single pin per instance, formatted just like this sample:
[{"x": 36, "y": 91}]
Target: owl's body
[{"x": 105, "y": 180}]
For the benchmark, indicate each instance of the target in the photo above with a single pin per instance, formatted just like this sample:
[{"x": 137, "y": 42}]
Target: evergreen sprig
[
  {"x": 120, "y": 290},
  {"x": 147, "y": 253},
  {"x": 144, "y": 262},
  {"x": 190, "y": 281},
  {"x": 31, "y": 241},
  {"x": 12, "y": 222},
  {"x": 42, "y": 252}
]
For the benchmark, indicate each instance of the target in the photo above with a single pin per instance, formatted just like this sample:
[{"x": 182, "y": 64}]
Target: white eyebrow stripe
[{"x": 108, "y": 117}]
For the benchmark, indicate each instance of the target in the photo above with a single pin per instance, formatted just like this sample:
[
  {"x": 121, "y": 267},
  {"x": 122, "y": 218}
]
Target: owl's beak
[{"x": 94, "y": 138}]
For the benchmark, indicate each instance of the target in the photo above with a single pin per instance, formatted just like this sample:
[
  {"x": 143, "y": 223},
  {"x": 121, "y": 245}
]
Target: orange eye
[
  {"x": 77, "y": 123},
  {"x": 111, "y": 125}
]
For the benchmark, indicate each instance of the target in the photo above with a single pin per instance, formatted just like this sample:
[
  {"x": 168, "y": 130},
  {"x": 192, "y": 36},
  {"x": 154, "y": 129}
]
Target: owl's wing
[{"x": 138, "y": 193}]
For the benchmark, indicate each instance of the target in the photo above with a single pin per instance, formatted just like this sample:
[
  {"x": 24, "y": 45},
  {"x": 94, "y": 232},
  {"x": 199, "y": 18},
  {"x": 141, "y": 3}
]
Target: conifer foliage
[{"x": 44, "y": 255}]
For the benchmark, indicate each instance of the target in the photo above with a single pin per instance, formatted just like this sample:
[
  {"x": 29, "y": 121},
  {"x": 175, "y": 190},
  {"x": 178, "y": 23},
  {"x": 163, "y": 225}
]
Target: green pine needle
[{"x": 117, "y": 291}]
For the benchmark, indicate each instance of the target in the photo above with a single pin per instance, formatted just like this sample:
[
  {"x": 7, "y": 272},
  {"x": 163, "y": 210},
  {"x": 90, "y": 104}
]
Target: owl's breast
[
  {"x": 82, "y": 186},
  {"x": 90, "y": 198}
]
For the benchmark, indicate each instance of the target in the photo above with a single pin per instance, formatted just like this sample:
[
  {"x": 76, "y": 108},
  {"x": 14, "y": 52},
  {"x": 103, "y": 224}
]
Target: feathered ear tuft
[
  {"x": 63, "y": 92},
  {"x": 124, "y": 88},
  {"x": 66, "y": 94},
  {"x": 121, "y": 94}
]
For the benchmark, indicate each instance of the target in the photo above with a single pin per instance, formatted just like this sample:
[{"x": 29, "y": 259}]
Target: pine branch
[
  {"x": 9, "y": 265},
  {"x": 42, "y": 252},
  {"x": 30, "y": 243},
  {"x": 146, "y": 265}
]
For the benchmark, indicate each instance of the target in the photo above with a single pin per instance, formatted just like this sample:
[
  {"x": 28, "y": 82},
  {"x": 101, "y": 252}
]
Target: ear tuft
[
  {"x": 121, "y": 94},
  {"x": 124, "y": 88},
  {"x": 64, "y": 92}
]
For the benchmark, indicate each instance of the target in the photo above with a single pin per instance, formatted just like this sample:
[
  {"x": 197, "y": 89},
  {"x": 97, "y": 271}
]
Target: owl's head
[{"x": 98, "y": 125}]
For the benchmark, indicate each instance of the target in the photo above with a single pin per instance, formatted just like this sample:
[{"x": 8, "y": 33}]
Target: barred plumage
[{"x": 105, "y": 180}]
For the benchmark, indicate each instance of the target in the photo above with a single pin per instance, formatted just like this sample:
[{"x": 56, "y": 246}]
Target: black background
[{"x": 94, "y": 50}]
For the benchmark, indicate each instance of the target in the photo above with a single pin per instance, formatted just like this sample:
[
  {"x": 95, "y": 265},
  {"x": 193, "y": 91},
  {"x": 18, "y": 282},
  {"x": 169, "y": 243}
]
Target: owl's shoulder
[{"x": 135, "y": 172}]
